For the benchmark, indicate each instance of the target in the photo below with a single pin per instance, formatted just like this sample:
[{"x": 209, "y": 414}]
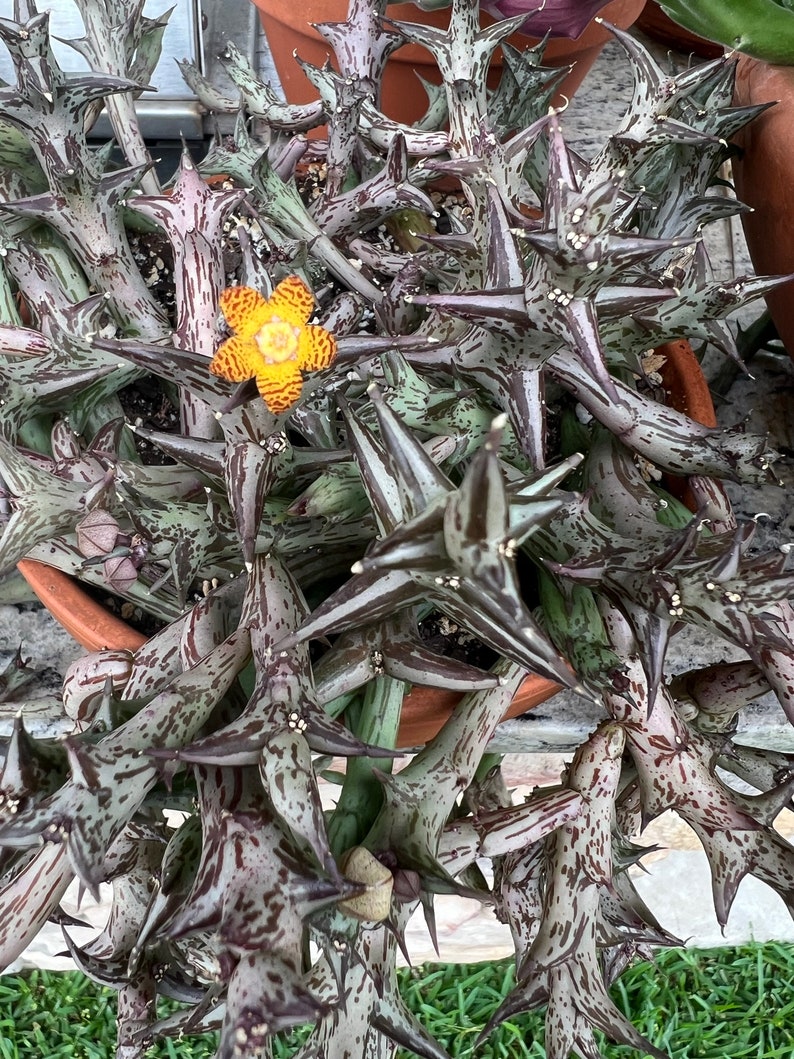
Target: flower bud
[
  {"x": 97, "y": 533},
  {"x": 120, "y": 573},
  {"x": 86, "y": 679},
  {"x": 360, "y": 866}
]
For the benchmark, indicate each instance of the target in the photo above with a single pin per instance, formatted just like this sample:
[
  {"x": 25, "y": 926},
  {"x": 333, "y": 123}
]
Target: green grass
[{"x": 697, "y": 1004}]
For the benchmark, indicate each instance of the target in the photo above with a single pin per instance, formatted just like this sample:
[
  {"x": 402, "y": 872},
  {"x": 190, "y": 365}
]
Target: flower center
[{"x": 277, "y": 342}]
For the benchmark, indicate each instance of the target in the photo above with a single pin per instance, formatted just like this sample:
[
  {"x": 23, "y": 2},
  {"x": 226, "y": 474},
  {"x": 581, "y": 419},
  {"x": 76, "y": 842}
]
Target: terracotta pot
[
  {"x": 88, "y": 621},
  {"x": 764, "y": 177},
  {"x": 659, "y": 26},
  {"x": 94, "y": 627},
  {"x": 288, "y": 29},
  {"x": 685, "y": 384},
  {"x": 425, "y": 709},
  {"x": 688, "y": 392}
]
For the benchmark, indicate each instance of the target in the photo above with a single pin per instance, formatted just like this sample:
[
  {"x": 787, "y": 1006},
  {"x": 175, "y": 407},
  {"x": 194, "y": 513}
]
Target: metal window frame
[{"x": 200, "y": 27}]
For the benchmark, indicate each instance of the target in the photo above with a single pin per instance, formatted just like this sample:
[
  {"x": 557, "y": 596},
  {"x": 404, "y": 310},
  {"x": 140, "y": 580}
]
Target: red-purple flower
[{"x": 559, "y": 18}]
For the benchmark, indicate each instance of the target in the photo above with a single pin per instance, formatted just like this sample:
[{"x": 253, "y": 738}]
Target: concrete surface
[{"x": 677, "y": 886}]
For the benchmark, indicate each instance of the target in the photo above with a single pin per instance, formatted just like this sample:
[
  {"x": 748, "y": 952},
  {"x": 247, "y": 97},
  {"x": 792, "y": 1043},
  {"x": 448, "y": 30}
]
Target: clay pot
[
  {"x": 425, "y": 709},
  {"x": 764, "y": 178},
  {"x": 94, "y": 627},
  {"x": 88, "y": 621},
  {"x": 288, "y": 29},
  {"x": 684, "y": 382},
  {"x": 659, "y": 26},
  {"x": 688, "y": 392}
]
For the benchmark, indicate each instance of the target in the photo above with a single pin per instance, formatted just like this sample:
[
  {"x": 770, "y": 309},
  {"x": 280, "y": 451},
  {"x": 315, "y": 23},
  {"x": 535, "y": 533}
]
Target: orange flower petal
[
  {"x": 316, "y": 348},
  {"x": 292, "y": 301},
  {"x": 245, "y": 310},
  {"x": 280, "y": 385},
  {"x": 236, "y": 359}
]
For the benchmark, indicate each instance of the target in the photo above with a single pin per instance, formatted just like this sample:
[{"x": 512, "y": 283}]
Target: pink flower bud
[
  {"x": 120, "y": 573},
  {"x": 97, "y": 533}
]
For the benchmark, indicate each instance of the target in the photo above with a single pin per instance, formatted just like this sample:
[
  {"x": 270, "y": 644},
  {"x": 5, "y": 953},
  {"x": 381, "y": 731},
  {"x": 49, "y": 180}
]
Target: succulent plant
[
  {"x": 403, "y": 420},
  {"x": 762, "y": 28}
]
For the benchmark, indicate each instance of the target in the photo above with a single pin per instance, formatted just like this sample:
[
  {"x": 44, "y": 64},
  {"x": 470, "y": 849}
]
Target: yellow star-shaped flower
[{"x": 272, "y": 341}]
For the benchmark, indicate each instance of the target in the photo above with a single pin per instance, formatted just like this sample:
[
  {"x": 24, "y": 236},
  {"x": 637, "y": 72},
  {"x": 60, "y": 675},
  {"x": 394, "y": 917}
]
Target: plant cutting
[
  {"x": 763, "y": 32},
  {"x": 389, "y": 423}
]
